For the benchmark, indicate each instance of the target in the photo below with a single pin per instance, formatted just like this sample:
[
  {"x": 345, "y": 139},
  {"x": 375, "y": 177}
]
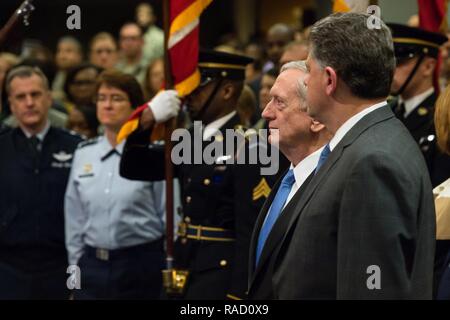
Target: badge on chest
[{"x": 61, "y": 160}]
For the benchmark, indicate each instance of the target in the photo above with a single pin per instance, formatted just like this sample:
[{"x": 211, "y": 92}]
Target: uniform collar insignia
[{"x": 422, "y": 111}]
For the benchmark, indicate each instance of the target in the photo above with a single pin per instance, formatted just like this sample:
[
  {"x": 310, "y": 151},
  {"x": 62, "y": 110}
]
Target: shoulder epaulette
[{"x": 87, "y": 143}]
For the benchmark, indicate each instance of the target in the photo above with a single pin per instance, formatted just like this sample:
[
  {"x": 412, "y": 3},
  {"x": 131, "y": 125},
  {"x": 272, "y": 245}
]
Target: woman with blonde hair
[{"x": 442, "y": 194}]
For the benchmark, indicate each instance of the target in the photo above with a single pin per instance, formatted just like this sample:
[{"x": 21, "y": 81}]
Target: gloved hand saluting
[{"x": 165, "y": 105}]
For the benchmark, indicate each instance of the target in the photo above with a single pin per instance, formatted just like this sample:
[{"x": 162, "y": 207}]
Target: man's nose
[
  {"x": 267, "y": 112},
  {"x": 29, "y": 101}
]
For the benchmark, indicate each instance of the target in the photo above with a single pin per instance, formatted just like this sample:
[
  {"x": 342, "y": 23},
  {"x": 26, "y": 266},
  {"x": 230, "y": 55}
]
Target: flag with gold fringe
[
  {"x": 350, "y": 5},
  {"x": 183, "y": 48}
]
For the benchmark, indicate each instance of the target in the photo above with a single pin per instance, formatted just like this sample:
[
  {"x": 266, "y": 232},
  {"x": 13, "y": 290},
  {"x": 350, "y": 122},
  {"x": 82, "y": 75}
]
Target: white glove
[{"x": 165, "y": 105}]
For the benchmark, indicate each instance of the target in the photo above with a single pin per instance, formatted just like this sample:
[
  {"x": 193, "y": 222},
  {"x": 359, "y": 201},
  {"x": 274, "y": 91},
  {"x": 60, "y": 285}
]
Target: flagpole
[{"x": 169, "y": 127}]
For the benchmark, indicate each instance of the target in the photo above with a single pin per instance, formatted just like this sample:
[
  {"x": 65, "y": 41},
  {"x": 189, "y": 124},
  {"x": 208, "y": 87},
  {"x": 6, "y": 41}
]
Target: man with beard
[{"x": 221, "y": 199}]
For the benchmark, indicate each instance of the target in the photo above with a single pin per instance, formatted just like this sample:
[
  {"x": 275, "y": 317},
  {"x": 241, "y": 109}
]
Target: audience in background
[{"x": 103, "y": 50}]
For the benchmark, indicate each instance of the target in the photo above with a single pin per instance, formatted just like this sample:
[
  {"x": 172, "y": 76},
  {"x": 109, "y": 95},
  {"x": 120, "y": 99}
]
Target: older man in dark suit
[
  {"x": 301, "y": 139},
  {"x": 364, "y": 227}
]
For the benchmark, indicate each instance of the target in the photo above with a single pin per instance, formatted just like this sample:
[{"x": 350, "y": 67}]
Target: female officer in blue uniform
[{"x": 114, "y": 226}]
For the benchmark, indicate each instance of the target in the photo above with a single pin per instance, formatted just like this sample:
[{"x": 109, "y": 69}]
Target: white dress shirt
[
  {"x": 301, "y": 172},
  {"x": 350, "y": 123},
  {"x": 41, "y": 135}
]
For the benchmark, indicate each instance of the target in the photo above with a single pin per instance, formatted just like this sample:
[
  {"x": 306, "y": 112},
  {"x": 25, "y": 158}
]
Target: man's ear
[
  {"x": 428, "y": 66},
  {"x": 331, "y": 80},
  {"x": 316, "y": 126},
  {"x": 228, "y": 91}
]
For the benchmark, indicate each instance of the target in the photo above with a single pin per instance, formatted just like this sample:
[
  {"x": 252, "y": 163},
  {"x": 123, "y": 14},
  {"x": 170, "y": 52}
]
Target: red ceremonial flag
[
  {"x": 433, "y": 15},
  {"x": 183, "y": 47}
]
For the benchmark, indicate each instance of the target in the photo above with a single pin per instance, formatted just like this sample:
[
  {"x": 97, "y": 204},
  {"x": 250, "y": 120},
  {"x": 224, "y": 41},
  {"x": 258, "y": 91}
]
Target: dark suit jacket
[
  {"x": 370, "y": 204},
  {"x": 260, "y": 276}
]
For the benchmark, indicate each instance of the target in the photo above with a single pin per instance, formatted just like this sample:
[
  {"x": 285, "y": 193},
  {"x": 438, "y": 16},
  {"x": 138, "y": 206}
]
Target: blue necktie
[
  {"x": 323, "y": 157},
  {"x": 275, "y": 210}
]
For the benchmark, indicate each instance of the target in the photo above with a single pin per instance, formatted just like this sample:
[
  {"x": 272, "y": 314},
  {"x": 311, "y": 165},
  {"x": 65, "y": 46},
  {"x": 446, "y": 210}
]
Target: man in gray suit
[{"x": 364, "y": 227}]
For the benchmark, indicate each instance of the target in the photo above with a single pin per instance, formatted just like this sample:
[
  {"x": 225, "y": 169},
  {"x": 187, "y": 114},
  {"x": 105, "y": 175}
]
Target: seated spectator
[
  {"x": 69, "y": 53},
  {"x": 153, "y": 36},
  {"x": 295, "y": 51},
  {"x": 83, "y": 120},
  {"x": 80, "y": 85},
  {"x": 103, "y": 51},
  {"x": 7, "y": 61},
  {"x": 246, "y": 107},
  {"x": 278, "y": 36},
  {"x": 154, "y": 79},
  {"x": 132, "y": 60}
]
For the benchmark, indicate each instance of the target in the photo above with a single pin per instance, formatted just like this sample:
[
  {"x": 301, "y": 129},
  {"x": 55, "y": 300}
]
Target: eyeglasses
[
  {"x": 80, "y": 83},
  {"x": 115, "y": 99}
]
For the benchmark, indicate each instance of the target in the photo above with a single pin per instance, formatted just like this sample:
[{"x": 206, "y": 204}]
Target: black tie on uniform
[{"x": 34, "y": 143}]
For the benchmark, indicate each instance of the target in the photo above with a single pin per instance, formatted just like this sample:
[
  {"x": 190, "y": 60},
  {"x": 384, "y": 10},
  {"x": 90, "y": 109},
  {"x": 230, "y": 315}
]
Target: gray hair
[
  {"x": 297, "y": 65},
  {"x": 25, "y": 72},
  {"x": 362, "y": 57}
]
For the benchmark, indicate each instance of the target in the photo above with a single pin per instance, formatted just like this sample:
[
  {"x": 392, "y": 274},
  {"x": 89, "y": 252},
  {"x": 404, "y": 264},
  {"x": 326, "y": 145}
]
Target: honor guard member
[
  {"x": 416, "y": 52},
  {"x": 34, "y": 168},
  {"x": 114, "y": 226},
  {"x": 220, "y": 200}
]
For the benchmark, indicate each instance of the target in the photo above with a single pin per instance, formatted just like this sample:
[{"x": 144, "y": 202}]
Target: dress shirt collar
[
  {"x": 212, "y": 128},
  {"x": 107, "y": 149},
  {"x": 350, "y": 123},
  {"x": 41, "y": 135},
  {"x": 305, "y": 167},
  {"x": 414, "y": 102}
]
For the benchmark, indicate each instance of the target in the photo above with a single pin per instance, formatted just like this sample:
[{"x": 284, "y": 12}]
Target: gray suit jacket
[{"x": 370, "y": 206}]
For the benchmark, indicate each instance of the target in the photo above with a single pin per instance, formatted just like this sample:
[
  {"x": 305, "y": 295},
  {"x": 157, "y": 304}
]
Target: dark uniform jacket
[
  {"x": 224, "y": 198},
  {"x": 32, "y": 199},
  {"x": 420, "y": 123}
]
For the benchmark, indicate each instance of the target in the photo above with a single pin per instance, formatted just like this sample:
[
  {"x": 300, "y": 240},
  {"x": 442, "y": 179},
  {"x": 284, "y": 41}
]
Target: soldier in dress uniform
[
  {"x": 220, "y": 200},
  {"x": 416, "y": 51},
  {"x": 34, "y": 168}
]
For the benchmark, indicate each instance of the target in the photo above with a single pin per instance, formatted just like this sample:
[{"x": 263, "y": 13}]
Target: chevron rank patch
[{"x": 261, "y": 190}]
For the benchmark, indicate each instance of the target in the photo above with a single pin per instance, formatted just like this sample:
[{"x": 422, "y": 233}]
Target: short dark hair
[
  {"x": 72, "y": 73},
  {"x": 124, "y": 82},
  {"x": 363, "y": 57}
]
